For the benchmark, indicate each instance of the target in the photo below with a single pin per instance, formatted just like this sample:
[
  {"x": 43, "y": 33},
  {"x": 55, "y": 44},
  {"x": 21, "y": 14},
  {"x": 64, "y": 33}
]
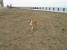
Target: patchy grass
[{"x": 15, "y": 33}]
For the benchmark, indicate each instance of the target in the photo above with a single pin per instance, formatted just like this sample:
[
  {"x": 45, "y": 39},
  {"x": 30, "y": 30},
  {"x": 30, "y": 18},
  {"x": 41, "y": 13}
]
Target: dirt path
[{"x": 15, "y": 33}]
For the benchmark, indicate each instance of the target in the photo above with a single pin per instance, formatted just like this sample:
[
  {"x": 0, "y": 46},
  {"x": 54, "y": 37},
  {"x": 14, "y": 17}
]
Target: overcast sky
[{"x": 38, "y": 3}]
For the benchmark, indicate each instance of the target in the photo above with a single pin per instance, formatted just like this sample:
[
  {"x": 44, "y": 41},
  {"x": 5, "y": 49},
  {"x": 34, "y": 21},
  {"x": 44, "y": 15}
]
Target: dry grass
[{"x": 15, "y": 33}]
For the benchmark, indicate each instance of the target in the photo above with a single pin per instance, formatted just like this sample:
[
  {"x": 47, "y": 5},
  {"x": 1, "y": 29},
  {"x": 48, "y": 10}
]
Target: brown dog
[{"x": 34, "y": 24}]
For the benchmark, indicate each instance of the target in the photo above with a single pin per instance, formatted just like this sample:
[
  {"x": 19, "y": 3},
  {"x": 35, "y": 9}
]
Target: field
[{"x": 16, "y": 34}]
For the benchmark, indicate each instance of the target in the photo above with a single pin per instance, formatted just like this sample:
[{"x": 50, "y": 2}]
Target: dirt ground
[{"x": 16, "y": 34}]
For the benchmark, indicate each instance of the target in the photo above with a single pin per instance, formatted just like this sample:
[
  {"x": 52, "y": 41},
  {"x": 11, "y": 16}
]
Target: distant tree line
[
  {"x": 10, "y": 6},
  {"x": 1, "y": 4}
]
